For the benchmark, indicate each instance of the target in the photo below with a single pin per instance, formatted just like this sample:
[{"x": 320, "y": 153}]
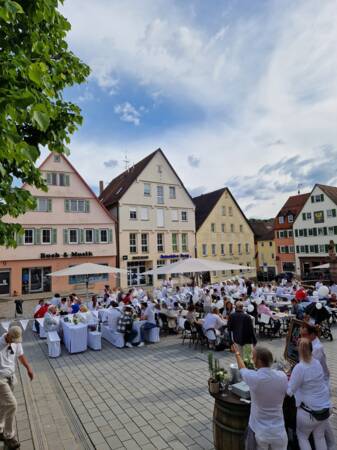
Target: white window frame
[
  {"x": 223, "y": 210},
  {"x": 204, "y": 249},
  {"x": 133, "y": 247},
  {"x": 144, "y": 217},
  {"x": 131, "y": 212},
  {"x": 160, "y": 196},
  {"x": 175, "y": 247},
  {"x": 230, "y": 248},
  {"x": 172, "y": 192},
  {"x": 174, "y": 215},
  {"x": 24, "y": 236},
  {"x": 41, "y": 199},
  {"x": 184, "y": 242},
  {"x": 281, "y": 219},
  {"x": 213, "y": 249},
  {"x": 160, "y": 246},
  {"x": 247, "y": 248},
  {"x": 239, "y": 249},
  {"x": 160, "y": 217},
  {"x": 50, "y": 237},
  {"x": 290, "y": 216},
  {"x": 147, "y": 190},
  {"x": 222, "y": 249},
  {"x": 184, "y": 216},
  {"x": 230, "y": 211},
  {"x": 213, "y": 228},
  {"x": 77, "y": 237},
  {"x": 85, "y": 235},
  {"x": 144, "y": 244},
  {"x": 100, "y": 236}
]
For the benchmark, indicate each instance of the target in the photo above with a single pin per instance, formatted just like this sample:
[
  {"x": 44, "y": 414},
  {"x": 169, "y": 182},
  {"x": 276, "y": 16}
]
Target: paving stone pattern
[{"x": 154, "y": 397}]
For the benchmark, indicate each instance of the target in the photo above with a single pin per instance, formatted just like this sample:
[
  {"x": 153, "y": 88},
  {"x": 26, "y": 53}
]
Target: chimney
[{"x": 101, "y": 186}]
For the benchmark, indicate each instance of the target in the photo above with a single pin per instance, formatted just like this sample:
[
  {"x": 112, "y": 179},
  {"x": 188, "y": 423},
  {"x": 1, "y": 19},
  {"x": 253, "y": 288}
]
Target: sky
[{"x": 237, "y": 93}]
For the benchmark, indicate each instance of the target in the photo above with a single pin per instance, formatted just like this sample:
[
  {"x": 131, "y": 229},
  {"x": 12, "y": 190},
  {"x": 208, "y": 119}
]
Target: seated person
[
  {"x": 51, "y": 321},
  {"x": 264, "y": 309},
  {"x": 75, "y": 306},
  {"x": 39, "y": 312},
  {"x": 213, "y": 322},
  {"x": 64, "y": 309},
  {"x": 93, "y": 305},
  {"x": 113, "y": 315},
  {"x": 228, "y": 309},
  {"x": 147, "y": 314},
  {"x": 191, "y": 315},
  {"x": 56, "y": 300},
  {"x": 124, "y": 325}
]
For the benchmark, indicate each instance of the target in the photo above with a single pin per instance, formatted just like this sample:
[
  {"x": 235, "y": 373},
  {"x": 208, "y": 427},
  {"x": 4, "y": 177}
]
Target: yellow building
[
  {"x": 265, "y": 250},
  {"x": 223, "y": 232}
]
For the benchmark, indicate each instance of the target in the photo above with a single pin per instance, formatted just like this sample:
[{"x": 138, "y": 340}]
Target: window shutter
[
  {"x": 66, "y": 205},
  {"x": 54, "y": 236},
  {"x": 312, "y": 199},
  {"x": 87, "y": 206},
  {"x": 49, "y": 206},
  {"x": 81, "y": 236},
  {"x": 322, "y": 198},
  {"x": 65, "y": 236},
  {"x": 19, "y": 238},
  {"x": 37, "y": 236},
  {"x": 96, "y": 236},
  {"x": 333, "y": 213},
  {"x": 109, "y": 235},
  {"x": 67, "y": 180}
]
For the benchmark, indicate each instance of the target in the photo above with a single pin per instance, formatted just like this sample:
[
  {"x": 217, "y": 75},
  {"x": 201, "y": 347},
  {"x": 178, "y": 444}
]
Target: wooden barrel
[{"x": 230, "y": 421}]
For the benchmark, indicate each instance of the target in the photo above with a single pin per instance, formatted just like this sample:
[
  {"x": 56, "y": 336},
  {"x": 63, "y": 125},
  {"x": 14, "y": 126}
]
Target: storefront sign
[
  {"x": 65, "y": 255},
  {"x": 181, "y": 255},
  {"x": 139, "y": 257}
]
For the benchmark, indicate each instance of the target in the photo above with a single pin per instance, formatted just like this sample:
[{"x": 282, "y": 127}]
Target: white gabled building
[{"x": 314, "y": 227}]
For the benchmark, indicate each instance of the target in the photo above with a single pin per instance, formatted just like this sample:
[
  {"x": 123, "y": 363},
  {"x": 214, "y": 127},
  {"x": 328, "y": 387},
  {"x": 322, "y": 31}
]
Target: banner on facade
[{"x": 24, "y": 323}]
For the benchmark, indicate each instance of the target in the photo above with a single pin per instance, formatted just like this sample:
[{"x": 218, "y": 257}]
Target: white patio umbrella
[
  {"x": 195, "y": 265},
  {"x": 322, "y": 266},
  {"x": 86, "y": 269}
]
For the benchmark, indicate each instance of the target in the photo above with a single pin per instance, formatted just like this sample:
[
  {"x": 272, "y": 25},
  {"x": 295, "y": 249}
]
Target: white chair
[
  {"x": 152, "y": 335},
  {"x": 115, "y": 338},
  {"x": 95, "y": 340},
  {"x": 54, "y": 346}
]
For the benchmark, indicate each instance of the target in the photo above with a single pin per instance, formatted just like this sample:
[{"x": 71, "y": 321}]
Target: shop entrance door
[
  {"x": 4, "y": 282},
  {"x": 35, "y": 280},
  {"x": 135, "y": 274}
]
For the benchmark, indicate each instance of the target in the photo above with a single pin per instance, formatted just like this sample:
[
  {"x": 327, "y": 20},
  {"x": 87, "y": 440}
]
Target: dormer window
[
  {"x": 290, "y": 218},
  {"x": 57, "y": 158},
  {"x": 281, "y": 219}
]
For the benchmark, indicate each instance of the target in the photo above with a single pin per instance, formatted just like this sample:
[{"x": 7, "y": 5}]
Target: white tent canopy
[
  {"x": 195, "y": 265},
  {"x": 86, "y": 269},
  {"x": 322, "y": 266}
]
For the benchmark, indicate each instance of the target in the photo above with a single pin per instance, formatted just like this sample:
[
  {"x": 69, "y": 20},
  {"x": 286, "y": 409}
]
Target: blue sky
[{"x": 240, "y": 93}]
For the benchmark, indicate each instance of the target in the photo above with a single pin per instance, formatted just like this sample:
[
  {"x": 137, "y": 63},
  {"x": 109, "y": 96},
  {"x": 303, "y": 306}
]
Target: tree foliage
[{"x": 35, "y": 67}]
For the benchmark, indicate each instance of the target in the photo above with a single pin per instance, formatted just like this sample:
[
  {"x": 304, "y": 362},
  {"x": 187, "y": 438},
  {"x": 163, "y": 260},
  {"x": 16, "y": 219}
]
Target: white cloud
[
  {"x": 128, "y": 113},
  {"x": 267, "y": 84}
]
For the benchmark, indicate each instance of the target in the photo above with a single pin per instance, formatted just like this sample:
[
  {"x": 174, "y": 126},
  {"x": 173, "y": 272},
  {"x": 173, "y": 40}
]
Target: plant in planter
[
  {"x": 247, "y": 357},
  {"x": 218, "y": 376}
]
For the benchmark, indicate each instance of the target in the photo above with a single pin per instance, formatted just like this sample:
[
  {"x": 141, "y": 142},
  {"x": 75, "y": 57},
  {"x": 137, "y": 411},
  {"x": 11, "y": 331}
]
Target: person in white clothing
[
  {"x": 212, "y": 323},
  {"x": 312, "y": 398},
  {"x": 268, "y": 388},
  {"x": 113, "y": 315}
]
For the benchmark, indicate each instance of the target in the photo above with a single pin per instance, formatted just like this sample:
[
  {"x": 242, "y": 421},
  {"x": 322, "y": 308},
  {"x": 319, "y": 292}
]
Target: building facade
[
  {"x": 222, "y": 231},
  {"x": 315, "y": 227},
  {"x": 284, "y": 236},
  {"x": 265, "y": 252},
  {"x": 69, "y": 226},
  {"x": 155, "y": 216}
]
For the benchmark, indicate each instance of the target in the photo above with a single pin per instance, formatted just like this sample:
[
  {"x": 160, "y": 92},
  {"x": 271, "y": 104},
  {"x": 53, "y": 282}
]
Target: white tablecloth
[{"x": 75, "y": 337}]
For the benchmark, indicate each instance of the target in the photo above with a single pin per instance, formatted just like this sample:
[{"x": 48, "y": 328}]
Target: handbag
[{"x": 319, "y": 415}]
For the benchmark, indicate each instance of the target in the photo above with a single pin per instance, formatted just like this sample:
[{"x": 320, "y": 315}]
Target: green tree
[{"x": 35, "y": 67}]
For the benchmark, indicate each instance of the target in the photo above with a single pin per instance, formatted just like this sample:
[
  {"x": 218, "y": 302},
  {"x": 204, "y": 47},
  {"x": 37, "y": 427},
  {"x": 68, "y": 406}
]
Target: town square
[{"x": 168, "y": 225}]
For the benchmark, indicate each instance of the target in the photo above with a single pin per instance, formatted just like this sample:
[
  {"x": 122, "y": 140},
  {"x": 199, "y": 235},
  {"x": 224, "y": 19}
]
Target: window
[
  {"x": 247, "y": 249},
  {"x": 73, "y": 236},
  {"x": 73, "y": 205},
  {"x": 88, "y": 236},
  {"x": 43, "y": 204},
  {"x": 133, "y": 213},
  {"x": 231, "y": 249},
  {"x": 290, "y": 218},
  {"x": 319, "y": 216},
  {"x": 46, "y": 236},
  {"x": 184, "y": 242},
  {"x": 308, "y": 215},
  {"x": 223, "y": 210},
  {"x": 147, "y": 190},
  {"x": 330, "y": 231},
  {"x": 204, "y": 249},
  {"x": 291, "y": 249},
  {"x": 160, "y": 195},
  {"x": 144, "y": 214},
  {"x": 63, "y": 179},
  {"x": 133, "y": 242},
  {"x": 290, "y": 233},
  {"x": 232, "y": 227},
  {"x": 160, "y": 242},
  {"x": 174, "y": 242},
  {"x": 57, "y": 179},
  {"x": 145, "y": 242},
  {"x": 241, "y": 228},
  {"x": 230, "y": 211},
  {"x": 213, "y": 249},
  {"x": 174, "y": 213},
  {"x": 319, "y": 198},
  {"x": 304, "y": 216},
  {"x": 213, "y": 227},
  {"x": 103, "y": 236},
  {"x": 322, "y": 249},
  {"x": 172, "y": 192},
  {"x": 28, "y": 237},
  {"x": 52, "y": 178},
  {"x": 184, "y": 216},
  {"x": 239, "y": 249},
  {"x": 161, "y": 263},
  {"x": 281, "y": 219},
  {"x": 57, "y": 158},
  {"x": 222, "y": 247},
  {"x": 160, "y": 217},
  {"x": 223, "y": 228},
  {"x": 331, "y": 213}
]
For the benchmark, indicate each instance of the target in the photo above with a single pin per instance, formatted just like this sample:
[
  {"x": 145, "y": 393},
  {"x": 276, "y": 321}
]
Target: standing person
[
  {"x": 312, "y": 398},
  {"x": 10, "y": 349},
  {"x": 268, "y": 387},
  {"x": 240, "y": 328}
]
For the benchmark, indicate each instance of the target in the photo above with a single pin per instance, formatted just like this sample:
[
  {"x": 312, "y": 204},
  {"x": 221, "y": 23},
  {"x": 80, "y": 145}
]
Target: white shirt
[
  {"x": 55, "y": 301},
  {"x": 268, "y": 388},
  {"x": 7, "y": 360},
  {"x": 149, "y": 314},
  {"x": 113, "y": 316},
  {"x": 308, "y": 385},
  {"x": 213, "y": 321},
  {"x": 318, "y": 353}
]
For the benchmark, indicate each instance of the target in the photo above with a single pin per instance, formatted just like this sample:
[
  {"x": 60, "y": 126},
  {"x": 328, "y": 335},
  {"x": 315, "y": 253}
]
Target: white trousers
[
  {"x": 305, "y": 425},
  {"x": 7, "y": 409},
  {"x": 280, "y": 444}
]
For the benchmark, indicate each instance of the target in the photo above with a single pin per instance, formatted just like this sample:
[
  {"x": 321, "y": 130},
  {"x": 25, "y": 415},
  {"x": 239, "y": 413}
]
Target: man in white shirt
[
  {"x": 212, "y": 323},
  {"x": 113, "y": 315},
  {"x": 149, "y": 320},
  {"x": 268, "y": 388},
  {"x": 10, "y": 349}
]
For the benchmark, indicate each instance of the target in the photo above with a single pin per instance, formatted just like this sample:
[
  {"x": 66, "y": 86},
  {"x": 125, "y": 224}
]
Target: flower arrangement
[
  {"x": 218, "y": 375},
  {"x": 247, "y": 357}
]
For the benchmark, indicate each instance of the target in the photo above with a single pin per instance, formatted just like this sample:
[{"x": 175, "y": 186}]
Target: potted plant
[
  {"x": 247, "y": 357},
  {"x": 218, "y": 376}
]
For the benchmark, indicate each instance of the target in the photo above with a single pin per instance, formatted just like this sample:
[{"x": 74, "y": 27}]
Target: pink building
[{"x": 70, "y": 226}]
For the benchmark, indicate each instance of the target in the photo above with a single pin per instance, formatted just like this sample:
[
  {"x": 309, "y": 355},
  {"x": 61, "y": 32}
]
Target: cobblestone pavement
[{"x": 154, "y": 397}]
